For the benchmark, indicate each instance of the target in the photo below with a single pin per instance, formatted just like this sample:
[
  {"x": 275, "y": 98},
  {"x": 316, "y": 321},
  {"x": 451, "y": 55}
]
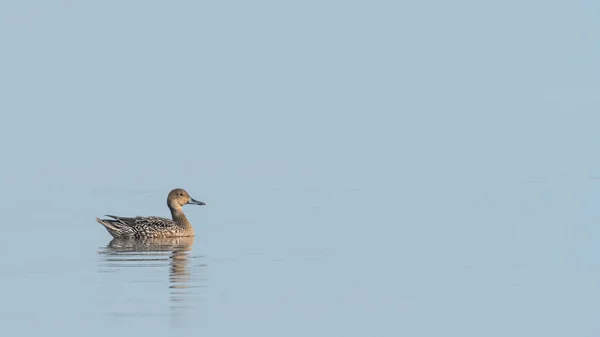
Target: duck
[{"x": 142, "y": 227}]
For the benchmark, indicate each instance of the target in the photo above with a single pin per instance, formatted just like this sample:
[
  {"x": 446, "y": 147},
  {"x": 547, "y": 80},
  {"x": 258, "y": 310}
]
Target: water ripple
[{"x": 162, "y": 263}]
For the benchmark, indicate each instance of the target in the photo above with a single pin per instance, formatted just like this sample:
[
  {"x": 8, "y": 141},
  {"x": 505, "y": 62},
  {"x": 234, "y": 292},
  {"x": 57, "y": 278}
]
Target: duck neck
[{"x": 179, "y": 217}]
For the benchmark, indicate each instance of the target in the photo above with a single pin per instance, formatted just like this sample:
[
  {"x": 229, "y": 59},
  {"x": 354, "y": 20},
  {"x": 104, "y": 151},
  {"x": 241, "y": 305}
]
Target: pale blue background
[{"x": 374, "y": 168}]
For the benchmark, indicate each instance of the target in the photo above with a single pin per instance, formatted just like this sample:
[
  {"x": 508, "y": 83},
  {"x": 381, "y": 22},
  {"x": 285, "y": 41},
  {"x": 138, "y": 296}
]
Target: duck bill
[{"x": 195, "y": 202}]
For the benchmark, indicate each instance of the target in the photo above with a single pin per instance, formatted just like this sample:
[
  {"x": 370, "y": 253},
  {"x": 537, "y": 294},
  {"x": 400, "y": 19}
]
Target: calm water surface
[
  {"x": 346, "y": 262},
  {"x": 370, "y": 168},
  {"x": 120, "y": 261}
]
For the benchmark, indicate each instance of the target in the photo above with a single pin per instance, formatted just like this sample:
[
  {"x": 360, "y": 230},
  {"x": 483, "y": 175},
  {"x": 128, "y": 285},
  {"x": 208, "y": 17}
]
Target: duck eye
[{"x": 181, "y": 194}]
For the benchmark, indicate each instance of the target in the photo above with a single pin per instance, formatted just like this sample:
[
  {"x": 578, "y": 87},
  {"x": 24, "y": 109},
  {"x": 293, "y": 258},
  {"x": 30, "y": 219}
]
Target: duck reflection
[{"x": 185, "y": 278}]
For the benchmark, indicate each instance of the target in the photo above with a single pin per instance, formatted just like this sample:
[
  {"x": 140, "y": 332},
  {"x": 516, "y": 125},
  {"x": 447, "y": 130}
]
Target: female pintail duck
[{"x": 153, "y": 226}]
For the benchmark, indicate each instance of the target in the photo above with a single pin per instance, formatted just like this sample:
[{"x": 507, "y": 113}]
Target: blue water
[{"x": 369, "y": 169}]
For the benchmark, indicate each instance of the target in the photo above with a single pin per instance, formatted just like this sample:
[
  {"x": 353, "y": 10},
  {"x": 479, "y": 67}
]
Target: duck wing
[{"x": 139, "y": 226}]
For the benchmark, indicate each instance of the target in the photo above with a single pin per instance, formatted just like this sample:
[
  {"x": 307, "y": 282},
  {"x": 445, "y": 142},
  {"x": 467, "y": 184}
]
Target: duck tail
[{"x": 111, "y": 226}]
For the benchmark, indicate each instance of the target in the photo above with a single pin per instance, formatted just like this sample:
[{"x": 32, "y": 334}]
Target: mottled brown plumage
[{"x": 153, "y": 226}]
